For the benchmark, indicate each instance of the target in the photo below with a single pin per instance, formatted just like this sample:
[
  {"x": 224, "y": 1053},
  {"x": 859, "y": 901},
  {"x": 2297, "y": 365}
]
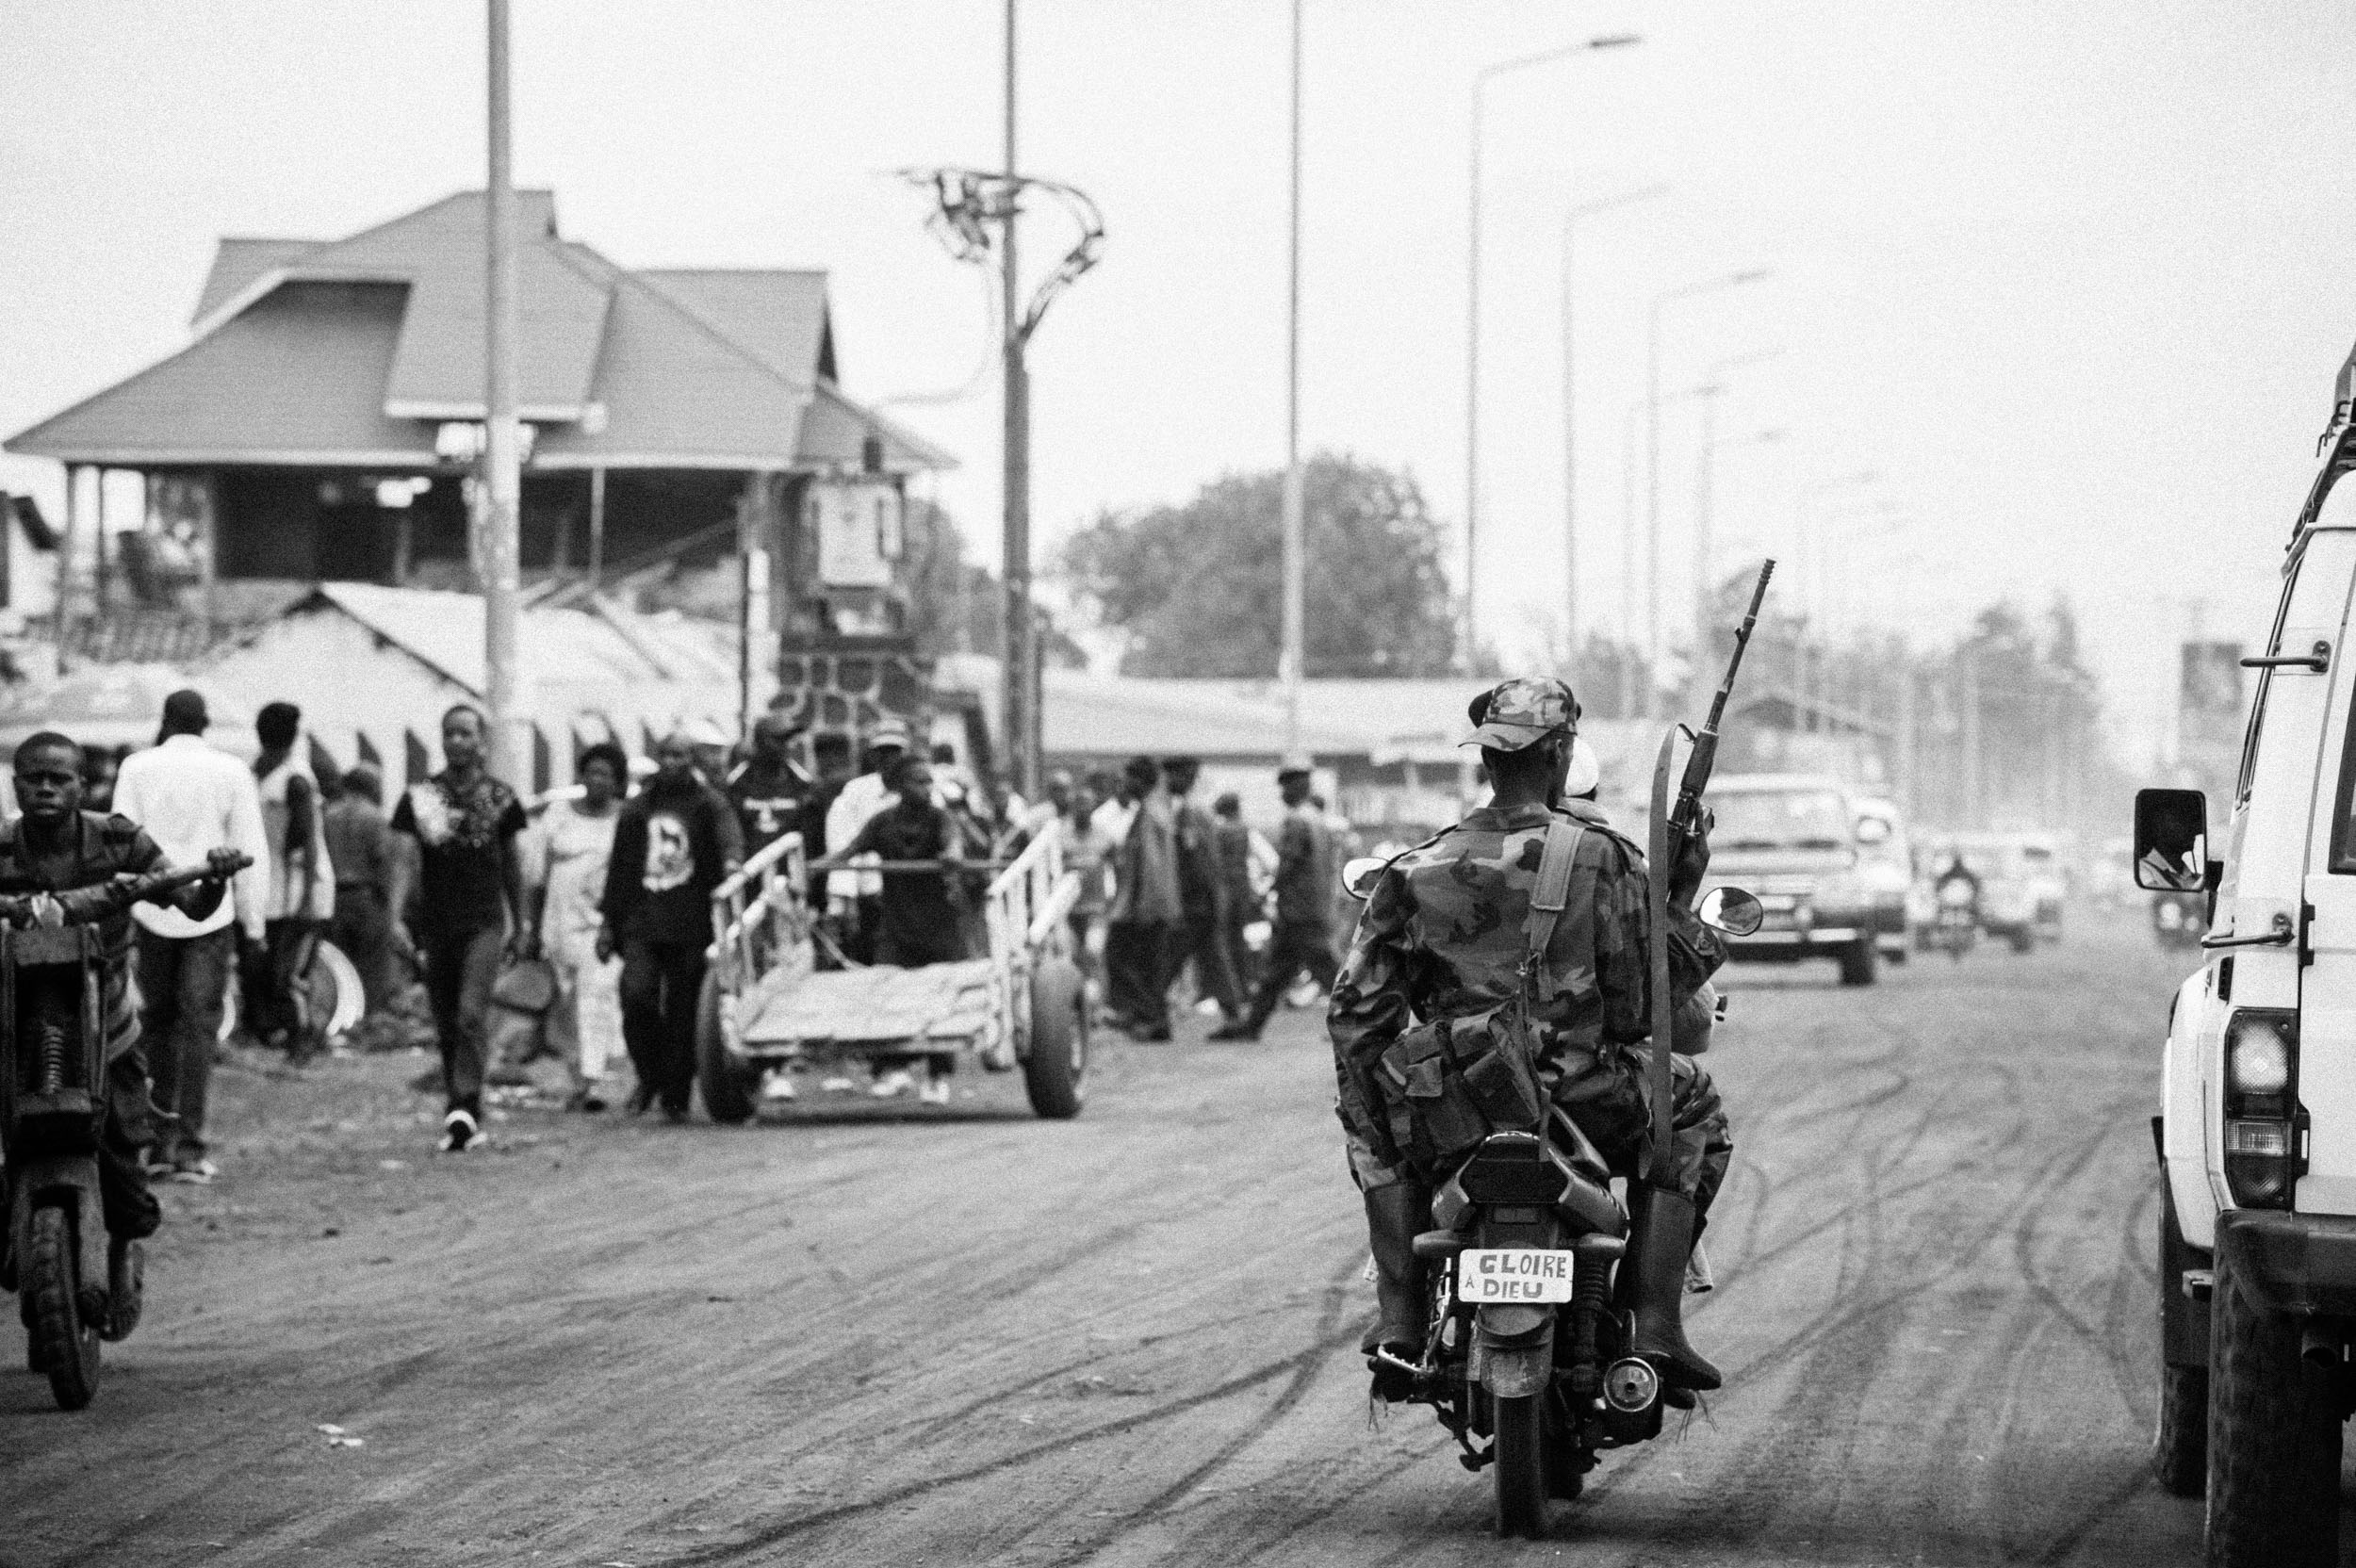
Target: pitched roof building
[{"x": 323, "y": 421}]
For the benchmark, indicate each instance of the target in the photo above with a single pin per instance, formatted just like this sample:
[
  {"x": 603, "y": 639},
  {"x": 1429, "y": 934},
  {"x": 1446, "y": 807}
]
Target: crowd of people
[
  {"x": 578, "y": 926},
  {"x": 1170, "y": 890}
]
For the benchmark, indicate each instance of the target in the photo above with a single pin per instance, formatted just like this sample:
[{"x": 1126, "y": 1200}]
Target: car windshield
[{"x": 1781, "y": 819}]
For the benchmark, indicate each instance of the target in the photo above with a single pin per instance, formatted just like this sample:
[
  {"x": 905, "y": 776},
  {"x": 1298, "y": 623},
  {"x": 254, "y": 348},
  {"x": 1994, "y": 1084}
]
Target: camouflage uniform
[{"x": 1441, "y": 937}]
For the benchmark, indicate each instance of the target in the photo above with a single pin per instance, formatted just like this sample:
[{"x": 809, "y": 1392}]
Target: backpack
[{"x": 1449, "y": 1082}]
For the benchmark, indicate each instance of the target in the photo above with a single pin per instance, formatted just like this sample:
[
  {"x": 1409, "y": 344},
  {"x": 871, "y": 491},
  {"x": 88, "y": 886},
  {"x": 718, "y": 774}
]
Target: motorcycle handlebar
[{"x": 101, "y": 899}]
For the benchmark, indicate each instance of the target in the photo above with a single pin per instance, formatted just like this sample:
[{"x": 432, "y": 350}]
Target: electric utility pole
[
  {"x": 503, "y": 479},
  {"x": 969, "y": 204}
]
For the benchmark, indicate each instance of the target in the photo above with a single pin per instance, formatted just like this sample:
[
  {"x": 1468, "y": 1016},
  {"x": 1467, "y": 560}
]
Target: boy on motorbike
[{"x": 79, "y": 859}]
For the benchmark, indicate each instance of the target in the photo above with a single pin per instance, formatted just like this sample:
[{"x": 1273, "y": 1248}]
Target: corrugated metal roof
[
  {"x": 237, "y": 263},
  {"x": 679, "y": 368},
  {"x": 562, "y": 646},
  {"x": 779, "y": 315},
  {"x": 298, "y": 375},
  {"x": 438, "y": 372}
]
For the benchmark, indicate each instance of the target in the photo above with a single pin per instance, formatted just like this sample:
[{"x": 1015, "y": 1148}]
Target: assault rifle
[
  {"x": 1703, "y": 758},
  {"x": 1672, "y": 829}
]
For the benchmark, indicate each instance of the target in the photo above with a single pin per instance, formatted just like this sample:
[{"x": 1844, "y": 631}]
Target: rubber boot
[
  {"x": 126, "y": 1282},
  {"x": 1394, "y": 1215},
  {"x": 1660, "y": 1239}
]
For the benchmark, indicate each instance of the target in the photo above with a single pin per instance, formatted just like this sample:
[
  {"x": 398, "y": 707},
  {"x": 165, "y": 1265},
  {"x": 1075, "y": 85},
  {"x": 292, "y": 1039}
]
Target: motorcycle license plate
[{"x": 1492, "y": 1276}]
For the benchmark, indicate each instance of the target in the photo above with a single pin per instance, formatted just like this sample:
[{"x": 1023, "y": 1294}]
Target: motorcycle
[
  {"x": 1532, "y": 1318},
  {"x": 1958, "y": 923},
  {"x": 74, "y": 1289}
]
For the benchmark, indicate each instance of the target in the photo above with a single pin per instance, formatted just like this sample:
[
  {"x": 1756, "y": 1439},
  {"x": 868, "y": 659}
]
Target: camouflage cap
[{"x": 1518, "y": 713}]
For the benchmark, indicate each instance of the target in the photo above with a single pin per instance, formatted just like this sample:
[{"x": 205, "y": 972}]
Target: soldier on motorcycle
[
  {"x": 55, "y": 848},
  {"x": 1441, "y": 937}
]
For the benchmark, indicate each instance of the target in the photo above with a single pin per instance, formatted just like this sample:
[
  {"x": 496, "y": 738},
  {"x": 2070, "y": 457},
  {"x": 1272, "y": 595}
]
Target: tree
[
  {"x": 957, "y": 607},
  {"x": 1198, "y": 588}
]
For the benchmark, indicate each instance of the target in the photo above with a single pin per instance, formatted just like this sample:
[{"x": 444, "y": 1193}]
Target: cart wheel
[
  {"x": 728, "y": 1095},
  {"x": 1059, "y": 1060}
]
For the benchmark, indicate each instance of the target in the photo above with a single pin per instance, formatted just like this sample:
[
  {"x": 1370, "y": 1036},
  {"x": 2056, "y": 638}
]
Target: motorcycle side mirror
[
  {"x": 1359, "y": 876},
  {"x": 1731, "y": 910},
  {"x": 2171, "y": 841}
]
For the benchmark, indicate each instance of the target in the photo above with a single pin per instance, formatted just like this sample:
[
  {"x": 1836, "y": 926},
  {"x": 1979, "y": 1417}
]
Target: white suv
[{"x": 2257, "y": 1129}]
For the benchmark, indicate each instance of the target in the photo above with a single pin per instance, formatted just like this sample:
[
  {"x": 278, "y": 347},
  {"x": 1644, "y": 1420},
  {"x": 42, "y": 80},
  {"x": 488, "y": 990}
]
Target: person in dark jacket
[
  {"x": 1239, "y": 899},
  {"x": 361, "y": 849},
  {"x": 768, "y": 788},
  {"x": 1304, "y": 905},
  {"x": 919, "y": 915},
  {"x": 1202, "y": 895},
  {"x": 677, "y": 841},
  {"x": 1145, "y": 907}
]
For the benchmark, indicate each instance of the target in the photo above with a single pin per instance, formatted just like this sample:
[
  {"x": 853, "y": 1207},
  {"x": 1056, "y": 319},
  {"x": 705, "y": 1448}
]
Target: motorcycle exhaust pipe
[{"x": 1631, "y": 1386}]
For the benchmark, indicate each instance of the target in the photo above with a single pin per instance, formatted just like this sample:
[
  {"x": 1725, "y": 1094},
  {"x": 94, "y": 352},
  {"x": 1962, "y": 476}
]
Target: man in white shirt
[
  {"x": 857, "y": 896},
  {"x": 192, "y": 798}
]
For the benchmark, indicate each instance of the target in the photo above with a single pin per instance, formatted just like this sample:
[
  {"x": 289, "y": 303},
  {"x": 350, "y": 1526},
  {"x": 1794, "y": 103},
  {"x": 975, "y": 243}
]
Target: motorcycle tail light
[
  {"x": 2264, "y": 1153},
  {"x": 1511, "y": 1167}
]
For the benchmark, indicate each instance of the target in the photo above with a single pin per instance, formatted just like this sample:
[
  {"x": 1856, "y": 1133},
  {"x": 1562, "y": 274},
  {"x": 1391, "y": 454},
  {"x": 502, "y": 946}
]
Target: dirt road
[{"x": 971, "y": 1337}]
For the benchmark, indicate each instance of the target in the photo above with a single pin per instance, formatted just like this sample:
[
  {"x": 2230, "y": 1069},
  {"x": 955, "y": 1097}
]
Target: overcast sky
[{"x": 2074, "y": 280}]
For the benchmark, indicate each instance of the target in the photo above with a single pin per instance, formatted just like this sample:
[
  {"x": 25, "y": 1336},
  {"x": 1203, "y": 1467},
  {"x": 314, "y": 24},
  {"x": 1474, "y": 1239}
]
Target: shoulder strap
[{"x": 1552, "y": 894}]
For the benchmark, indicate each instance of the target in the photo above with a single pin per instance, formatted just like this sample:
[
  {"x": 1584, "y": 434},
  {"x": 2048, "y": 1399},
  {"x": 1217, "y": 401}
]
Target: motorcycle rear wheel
[
  {"x": 66, "y": 1346},
  {"x": 1521, "y": 1467}
]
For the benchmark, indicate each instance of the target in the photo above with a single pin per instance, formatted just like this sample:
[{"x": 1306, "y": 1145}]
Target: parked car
[
  {"x": 1886, "y": 861},
  {"x": 1793, "y": 840}
]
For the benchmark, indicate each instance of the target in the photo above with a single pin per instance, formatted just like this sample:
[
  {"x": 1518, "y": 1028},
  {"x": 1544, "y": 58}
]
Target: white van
[{"x": 2257, "y": 1129}]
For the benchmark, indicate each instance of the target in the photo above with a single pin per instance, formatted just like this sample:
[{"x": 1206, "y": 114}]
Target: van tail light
[{"x": 2266, "y": 1131}]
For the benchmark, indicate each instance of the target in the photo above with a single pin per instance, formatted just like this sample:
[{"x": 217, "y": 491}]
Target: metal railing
[{"x": 759, "y": 913}]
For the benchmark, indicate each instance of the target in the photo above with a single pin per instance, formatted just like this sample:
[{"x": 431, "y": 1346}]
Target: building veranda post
[{"x": 324, "y": 425}]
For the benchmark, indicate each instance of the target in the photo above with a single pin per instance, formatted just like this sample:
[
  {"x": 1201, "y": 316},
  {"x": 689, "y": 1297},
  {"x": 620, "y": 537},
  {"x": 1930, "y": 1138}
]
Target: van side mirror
[
  {"x": 2171, "y": 841},
  {"x": 1731, "y": 910},
  {"x": 1359, "y": 876}
]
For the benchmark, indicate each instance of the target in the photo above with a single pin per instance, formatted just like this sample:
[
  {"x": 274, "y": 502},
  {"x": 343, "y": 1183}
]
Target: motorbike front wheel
[
  {"x": 1521, "y": 1467},
  {"x": 66, "y": 1346}
]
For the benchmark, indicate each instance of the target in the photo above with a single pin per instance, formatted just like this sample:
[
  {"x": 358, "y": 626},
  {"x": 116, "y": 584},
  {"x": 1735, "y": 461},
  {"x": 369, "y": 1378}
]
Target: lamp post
[
  {"x": 1570, "y": 404},
  {"x": 1704, "y": 583},
  {"x": 1712, "y": 386},
  {"x": 1652, "y": 455},
  {"x": 1810, "y": 573},
  {"x": 501, "y": 463},
  {"x": 1295, "y": 545},
  {"x": 1481, "y": 79}
]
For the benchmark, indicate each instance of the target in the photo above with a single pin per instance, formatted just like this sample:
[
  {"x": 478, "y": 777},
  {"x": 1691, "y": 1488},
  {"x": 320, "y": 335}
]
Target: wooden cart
[{"x": 767, "y": 1007}]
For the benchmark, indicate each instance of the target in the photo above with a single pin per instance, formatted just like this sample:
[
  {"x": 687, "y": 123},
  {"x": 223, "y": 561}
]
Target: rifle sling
[{"x": 1552, "y": 894}]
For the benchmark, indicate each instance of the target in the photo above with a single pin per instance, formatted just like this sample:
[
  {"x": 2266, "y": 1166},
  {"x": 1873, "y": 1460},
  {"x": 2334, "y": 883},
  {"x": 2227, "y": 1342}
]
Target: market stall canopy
[
  {"x": 403, "y": 656},
  {"x": 118, "y": 704}
]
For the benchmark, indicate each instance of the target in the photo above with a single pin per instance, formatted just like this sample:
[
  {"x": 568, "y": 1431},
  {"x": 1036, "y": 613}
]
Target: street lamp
[
  {"x": 1711, "y": 387},
  {"x": 1291, "y": 654},
  {"x": 1570, "y": 418},
  {"x": 1652, "y": 453},
  {"x": 1481, "y": 79},
  {"x": 1705, "y": 584},
  {"x": 1810, "y": 566},
  {"x": 1876, "y": 520}
]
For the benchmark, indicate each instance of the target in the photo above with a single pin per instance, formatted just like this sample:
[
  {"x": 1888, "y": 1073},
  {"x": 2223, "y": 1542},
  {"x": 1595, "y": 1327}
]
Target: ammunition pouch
[{"x": 1448, "y": 1083}]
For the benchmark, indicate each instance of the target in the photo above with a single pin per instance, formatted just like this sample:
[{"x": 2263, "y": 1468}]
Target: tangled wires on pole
[{"x": 971, "y": 203}]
